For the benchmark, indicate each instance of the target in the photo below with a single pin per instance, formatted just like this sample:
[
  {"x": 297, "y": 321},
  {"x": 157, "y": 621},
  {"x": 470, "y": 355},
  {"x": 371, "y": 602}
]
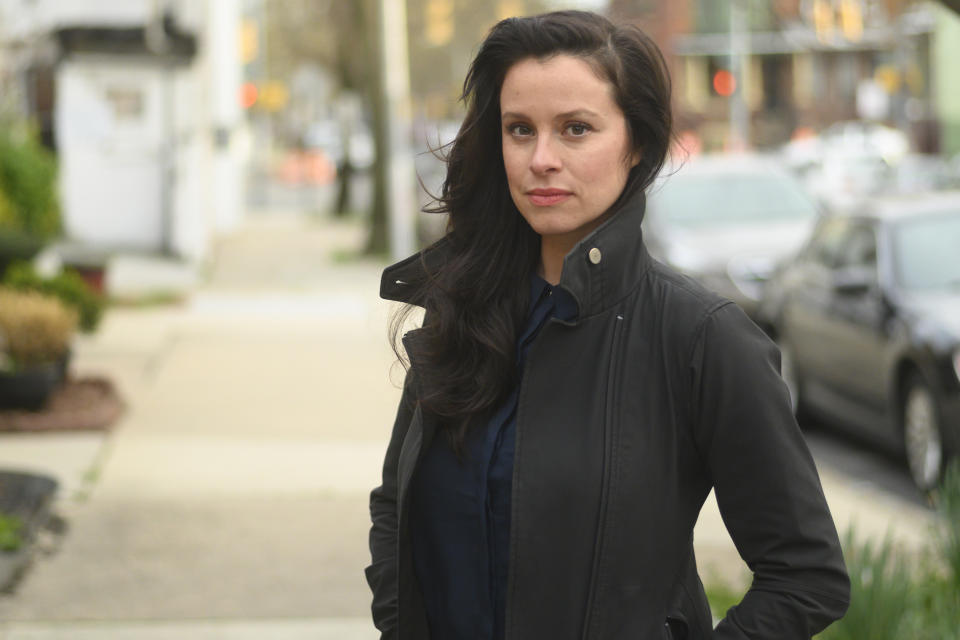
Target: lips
[{"x": 547, "y": 197}]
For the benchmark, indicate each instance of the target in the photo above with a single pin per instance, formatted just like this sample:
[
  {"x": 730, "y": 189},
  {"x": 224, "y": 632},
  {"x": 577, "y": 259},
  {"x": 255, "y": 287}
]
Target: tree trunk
[{"x": 378, "y": 240}]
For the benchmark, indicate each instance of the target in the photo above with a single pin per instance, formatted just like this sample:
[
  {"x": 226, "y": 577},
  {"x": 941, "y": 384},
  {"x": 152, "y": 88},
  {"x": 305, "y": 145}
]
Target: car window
[
  {"x": 746, "y": 197},
  {"x": 826, "y": 245},
  {"x": 926, "y": 250}
]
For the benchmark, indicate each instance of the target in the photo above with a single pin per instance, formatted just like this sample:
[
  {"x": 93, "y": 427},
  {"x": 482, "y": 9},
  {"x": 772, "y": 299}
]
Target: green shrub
[
  {"x": 8, "y": 216},
  {"x": 10, "y": 533},
  {"x": 948, "y": 533},
  {"x": 880, "y": 593},
  {"x": 68, "y": 287},
  {"x": 890, "y": 600},
  {"x": 28, "y": 177},
  {"x": 936, "y": 611},
  {"x": 937, "y": 617}
]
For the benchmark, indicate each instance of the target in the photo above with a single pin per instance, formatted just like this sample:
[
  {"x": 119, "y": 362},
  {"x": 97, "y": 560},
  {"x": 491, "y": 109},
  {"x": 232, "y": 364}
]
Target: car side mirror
[{"x": 852, "y": 281}]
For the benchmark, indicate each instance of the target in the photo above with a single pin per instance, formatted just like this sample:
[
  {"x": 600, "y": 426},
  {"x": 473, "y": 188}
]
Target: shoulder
[
  {"x": 681, "y": 289},
  {"x": 690, "y": 322},
  {"x": 677, "y": 303}
]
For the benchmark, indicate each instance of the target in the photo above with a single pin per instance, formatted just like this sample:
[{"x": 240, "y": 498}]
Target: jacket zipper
[
  {"x": 517, "y": 452},
  {"x": 591, "y": 623}
]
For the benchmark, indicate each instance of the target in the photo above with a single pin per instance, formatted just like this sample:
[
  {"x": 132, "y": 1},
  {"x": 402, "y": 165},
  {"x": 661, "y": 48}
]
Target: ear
[{"x": 635, "y": 158}]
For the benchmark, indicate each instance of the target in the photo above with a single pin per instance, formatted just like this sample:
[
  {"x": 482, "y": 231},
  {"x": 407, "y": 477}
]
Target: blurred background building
[
  {"x": 139, "y": 101},
  {"x": 810, "y": 63},
  {"x": 171, "y": 118}
]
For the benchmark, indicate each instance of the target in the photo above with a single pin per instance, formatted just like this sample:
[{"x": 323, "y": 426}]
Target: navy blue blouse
[{"x": 460, "y": 510}]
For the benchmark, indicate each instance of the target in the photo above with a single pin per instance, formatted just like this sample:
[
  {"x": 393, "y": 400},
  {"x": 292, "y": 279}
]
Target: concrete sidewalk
[
  {"x": 230, "y": 502},
  {"x": 233, "y": 493},
  {"x": 288, "y": 629}
]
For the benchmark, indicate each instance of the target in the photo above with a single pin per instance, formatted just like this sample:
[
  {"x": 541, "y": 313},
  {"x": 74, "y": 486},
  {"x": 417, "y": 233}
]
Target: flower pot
[
  {"x": 93, "y": 275},
  {"x": 63, "y": 366},
  {"x": 28, "y": 388}
]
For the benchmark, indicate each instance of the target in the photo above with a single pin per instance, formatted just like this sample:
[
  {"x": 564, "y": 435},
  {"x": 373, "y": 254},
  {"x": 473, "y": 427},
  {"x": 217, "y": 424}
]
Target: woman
[{"x": 570, "y": 402}]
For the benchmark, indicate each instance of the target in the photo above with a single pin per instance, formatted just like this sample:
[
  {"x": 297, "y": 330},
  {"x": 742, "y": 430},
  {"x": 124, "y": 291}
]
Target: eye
[
  {"x": 519, "y": 130},
  {"x": 578, "y": 129}
]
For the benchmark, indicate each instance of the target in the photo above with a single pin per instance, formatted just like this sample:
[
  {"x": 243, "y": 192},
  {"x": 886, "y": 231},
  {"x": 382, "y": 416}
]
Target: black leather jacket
[{"x": 627, "y": 417}]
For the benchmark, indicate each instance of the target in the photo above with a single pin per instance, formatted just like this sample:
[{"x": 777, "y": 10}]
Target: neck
[{"x": 553, "y": 249}]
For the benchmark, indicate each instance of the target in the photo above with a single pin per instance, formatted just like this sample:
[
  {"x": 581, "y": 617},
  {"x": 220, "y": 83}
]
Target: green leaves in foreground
[
  {"x": 880, "y": 592},
  {"x": 914, "y": 597}
]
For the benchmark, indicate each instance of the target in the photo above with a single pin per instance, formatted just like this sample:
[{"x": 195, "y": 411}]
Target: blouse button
[{"x": 595, "y": 255}]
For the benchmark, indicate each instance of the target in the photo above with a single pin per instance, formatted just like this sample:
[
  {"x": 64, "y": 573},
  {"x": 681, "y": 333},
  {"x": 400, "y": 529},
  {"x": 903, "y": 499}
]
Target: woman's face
[{"x": 565, "y": 145}]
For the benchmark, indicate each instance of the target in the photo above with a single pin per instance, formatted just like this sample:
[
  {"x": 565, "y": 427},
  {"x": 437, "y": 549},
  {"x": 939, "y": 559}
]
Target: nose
[{"x": 545, "y": 157}]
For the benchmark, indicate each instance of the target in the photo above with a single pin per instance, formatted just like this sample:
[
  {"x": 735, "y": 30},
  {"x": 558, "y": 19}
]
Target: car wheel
[
  {"x": 921, "y": 434},
  {"x": 788, "y": 371}
]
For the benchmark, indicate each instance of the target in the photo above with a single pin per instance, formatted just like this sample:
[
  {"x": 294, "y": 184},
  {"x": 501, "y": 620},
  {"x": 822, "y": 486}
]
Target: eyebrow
[{"x": 560, "y": 116}]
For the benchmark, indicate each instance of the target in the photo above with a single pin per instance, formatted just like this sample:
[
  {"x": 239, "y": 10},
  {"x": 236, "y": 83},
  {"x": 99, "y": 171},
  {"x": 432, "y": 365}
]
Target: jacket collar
[
  {"x": 598, "y": 272},
  {"x": 606, "y": 264}
]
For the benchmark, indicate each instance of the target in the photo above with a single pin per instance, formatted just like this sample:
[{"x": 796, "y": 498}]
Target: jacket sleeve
[
  {"x": 382, "y": 573},
  {"x": 766, "y": 485}
]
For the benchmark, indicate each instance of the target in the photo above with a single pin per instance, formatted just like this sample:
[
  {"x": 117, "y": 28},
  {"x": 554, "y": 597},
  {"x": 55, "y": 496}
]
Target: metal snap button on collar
[{"x": 595, "y": 255}]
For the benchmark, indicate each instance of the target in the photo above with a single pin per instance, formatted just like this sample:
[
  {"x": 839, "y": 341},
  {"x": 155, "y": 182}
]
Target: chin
[
  {"x": 556, "y": 224},
  {"x": 546, "y": 227}
]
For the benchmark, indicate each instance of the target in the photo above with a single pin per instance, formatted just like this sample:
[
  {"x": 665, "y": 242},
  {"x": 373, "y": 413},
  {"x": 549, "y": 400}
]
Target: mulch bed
[{"x": 79, "y": 404}]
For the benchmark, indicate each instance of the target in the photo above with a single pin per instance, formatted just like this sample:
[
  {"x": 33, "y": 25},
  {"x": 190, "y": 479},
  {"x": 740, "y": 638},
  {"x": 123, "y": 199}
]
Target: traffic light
[{"x": 724, "y": 83}]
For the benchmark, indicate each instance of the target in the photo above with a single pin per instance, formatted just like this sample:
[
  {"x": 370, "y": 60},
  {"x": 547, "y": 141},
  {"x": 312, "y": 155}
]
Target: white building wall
[
  {"x": 111, "y": 154},
  {"x": 24, "y": 19},
  {"x": 191, "y": 230},
  {"x": 118, "y": 188}
]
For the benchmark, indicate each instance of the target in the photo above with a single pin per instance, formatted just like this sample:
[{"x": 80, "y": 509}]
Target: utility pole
[
  {"x": 155, "y": 37},
  {"x": 225, "y": 79},
  {"x": 739, "y": 54},
  {"x": 395, "y": 85}
]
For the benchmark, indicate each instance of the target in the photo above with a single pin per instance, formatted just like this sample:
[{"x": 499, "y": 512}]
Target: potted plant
[
  {"x": 35, "y": 335},
  {"x": 68, "y": 286},
  {"x": 29, "y": 207}
]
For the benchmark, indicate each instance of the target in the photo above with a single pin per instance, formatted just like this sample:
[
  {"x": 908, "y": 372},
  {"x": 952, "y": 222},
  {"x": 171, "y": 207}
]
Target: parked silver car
[{"x": 728, "y": 221}]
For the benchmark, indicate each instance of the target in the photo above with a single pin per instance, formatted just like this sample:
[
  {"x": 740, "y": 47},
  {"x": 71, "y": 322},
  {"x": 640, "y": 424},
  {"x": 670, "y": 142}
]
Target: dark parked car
[
  {"x": 868, "y": 320},
  {"x": 728, "y": 221}
]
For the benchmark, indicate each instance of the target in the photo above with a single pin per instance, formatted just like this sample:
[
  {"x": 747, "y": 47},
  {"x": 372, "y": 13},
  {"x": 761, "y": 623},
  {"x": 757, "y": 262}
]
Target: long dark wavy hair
[{"x": 476, "y": 299}]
